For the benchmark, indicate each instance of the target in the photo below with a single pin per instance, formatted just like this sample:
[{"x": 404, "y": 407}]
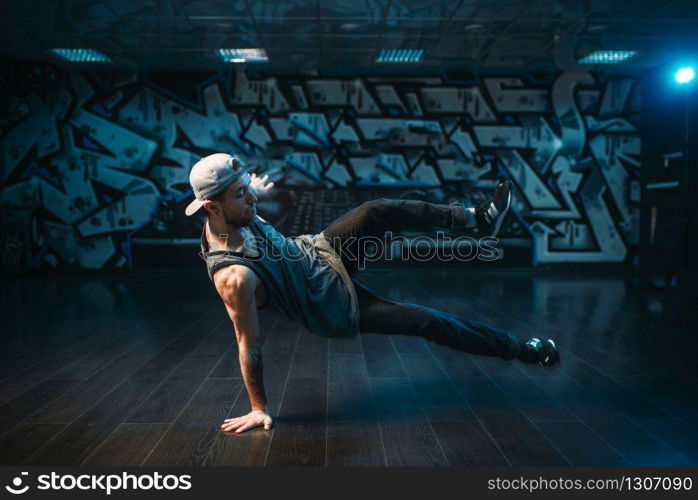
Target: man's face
[{"x": 237, "y": 206}]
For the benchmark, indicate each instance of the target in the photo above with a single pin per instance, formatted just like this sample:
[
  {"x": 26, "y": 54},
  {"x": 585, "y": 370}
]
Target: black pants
[{"x": 379, "y": 314}]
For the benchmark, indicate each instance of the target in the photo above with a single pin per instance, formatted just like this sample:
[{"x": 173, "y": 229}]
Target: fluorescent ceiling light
[
  {"x": 81, "y": 55},
  {"x": 243, "y": 55},
  {"x": 400, "y": 55},
  {"x": 607, "y": 56}
]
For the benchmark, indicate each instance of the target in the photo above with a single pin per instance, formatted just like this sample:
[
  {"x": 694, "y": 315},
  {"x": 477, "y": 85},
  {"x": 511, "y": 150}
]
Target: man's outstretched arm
[{"x": 236, "y": 286}]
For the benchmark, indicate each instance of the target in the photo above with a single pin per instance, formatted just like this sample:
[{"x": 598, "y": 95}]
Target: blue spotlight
[{"x": 685, "y": 75}]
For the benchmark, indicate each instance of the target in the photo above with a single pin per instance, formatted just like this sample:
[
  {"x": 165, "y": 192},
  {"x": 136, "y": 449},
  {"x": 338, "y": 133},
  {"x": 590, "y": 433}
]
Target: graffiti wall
[{"x": 95, "y": 163}]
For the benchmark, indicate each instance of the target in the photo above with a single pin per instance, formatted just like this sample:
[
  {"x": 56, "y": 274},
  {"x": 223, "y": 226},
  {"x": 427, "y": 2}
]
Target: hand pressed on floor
[{"x": 256, "y": 418}]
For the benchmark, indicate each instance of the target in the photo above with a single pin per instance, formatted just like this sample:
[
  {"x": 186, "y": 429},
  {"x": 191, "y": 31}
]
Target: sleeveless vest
[{"x": 304, "y": 278}]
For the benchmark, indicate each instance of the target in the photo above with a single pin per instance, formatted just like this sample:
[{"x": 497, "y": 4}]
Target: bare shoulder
[{"x": 235, "y": 283}]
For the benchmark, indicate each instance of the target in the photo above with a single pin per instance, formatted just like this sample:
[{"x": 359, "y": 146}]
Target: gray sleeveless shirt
[{"x": 304, "y": 278}]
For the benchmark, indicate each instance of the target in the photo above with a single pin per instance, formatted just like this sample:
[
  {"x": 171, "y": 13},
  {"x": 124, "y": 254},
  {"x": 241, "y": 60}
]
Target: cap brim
[{"x": 194, "y": 207}]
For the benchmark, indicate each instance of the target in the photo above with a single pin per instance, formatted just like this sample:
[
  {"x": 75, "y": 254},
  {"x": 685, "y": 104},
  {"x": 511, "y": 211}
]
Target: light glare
[{"x": 685, "y": 75}]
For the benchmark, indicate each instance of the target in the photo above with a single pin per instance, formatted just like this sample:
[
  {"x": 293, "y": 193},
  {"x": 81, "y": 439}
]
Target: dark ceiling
[{"x": 305, "y": 36}]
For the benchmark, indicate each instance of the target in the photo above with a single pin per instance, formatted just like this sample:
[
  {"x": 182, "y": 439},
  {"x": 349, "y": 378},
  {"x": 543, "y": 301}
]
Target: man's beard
[{"x": 241, "y": 221}]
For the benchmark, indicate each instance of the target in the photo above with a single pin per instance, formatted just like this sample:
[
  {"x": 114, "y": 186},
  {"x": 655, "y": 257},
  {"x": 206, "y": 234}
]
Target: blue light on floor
[
  {"x": 607, "y": 56},
  {"x": 81, "y": 55},
  {"x": 685, "y": 75},
  {"x": 400, "y": 55}
]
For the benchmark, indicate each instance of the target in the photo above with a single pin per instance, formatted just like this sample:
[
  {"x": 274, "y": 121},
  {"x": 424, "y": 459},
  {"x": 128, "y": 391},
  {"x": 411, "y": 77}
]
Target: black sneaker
[
  {"x": 489, "y": 214},
  {"x": 535, "y": 350}
]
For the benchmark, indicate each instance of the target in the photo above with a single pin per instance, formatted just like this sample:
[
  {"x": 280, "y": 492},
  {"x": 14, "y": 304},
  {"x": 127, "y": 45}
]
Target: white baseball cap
[{"x": 212, "y": 175}]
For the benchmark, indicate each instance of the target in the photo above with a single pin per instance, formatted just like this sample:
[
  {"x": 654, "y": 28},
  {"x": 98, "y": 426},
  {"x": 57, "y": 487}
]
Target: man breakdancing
[{"x": 307, "y": 278}]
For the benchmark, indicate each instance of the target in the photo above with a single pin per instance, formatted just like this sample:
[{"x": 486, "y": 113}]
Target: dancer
[{"x": 309, "y": 278}]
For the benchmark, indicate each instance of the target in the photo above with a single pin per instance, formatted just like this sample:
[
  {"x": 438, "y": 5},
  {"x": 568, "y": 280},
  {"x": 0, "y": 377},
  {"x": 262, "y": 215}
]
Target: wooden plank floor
[{"x": 142, "y": 369}]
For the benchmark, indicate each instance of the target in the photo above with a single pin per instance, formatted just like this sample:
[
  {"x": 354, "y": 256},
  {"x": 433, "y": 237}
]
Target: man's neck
[{"x": 225, "y": 236}]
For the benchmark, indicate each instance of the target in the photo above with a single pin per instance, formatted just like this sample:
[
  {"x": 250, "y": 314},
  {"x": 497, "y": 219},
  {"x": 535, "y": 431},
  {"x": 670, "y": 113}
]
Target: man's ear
[{"x": 211, "y": 207}]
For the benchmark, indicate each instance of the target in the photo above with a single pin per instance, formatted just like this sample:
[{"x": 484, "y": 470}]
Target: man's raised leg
[{"x": 374, "y": 218}]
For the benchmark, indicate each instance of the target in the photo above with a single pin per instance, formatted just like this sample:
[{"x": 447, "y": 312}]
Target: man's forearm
[{"x": 252, "y": 369}]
